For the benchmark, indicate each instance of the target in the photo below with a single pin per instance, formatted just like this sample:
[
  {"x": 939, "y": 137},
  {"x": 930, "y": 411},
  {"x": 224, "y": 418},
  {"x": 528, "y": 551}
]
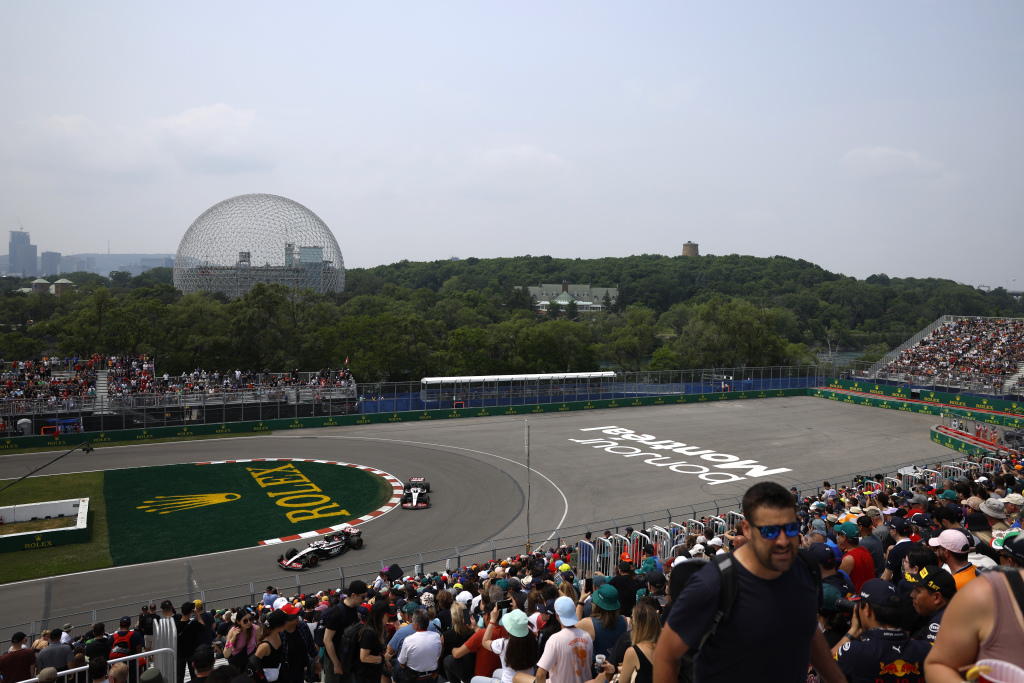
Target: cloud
[
  {"x": 217, "y": 139},
  {"x": 873, "y": 162},
  {"x": 76, "y": 146}
]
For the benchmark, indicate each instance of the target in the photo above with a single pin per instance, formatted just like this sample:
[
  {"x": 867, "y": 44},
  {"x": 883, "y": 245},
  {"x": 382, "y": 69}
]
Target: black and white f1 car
[
  {"x": 330, "y": 545},
  {"x": 415, "y": 496}
]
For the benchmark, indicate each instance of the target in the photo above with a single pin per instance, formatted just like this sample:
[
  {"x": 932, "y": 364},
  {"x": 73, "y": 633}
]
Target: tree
[
  {"x": 572, "y": 311},
  {"x": 632, "y": 343},
  {"x": 554, "y": 310}
]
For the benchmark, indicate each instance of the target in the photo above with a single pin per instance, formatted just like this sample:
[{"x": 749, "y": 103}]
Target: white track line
[{"x": 565, "y": 500}]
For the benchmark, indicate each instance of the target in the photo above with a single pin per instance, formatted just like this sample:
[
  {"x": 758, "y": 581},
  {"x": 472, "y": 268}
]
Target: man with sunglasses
[{"x": 771, "y": 630}]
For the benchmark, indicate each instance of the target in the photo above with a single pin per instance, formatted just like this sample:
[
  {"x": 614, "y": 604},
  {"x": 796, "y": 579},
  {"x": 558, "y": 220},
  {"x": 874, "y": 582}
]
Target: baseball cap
[
  {"x": 629, "y": 529},
  {"x": 948, "y": 495},
  {"x": 279, "y": 603},
  {"x": 878, "y": 592},
  {"x": 565, "y": 608},
  {"x": 697, "y": 550},
  {"x": 934, "y": 579},
  {"x": 952, "y": 540},
  {"x": 1013, "y": 499},
  {"x": 830, "y": 596},
  {"x": 49, "y": 674},
  {"x": 564, "y": 567},
  {"x": 921, "y": 519},
  {"x": 126, "y": 621},
  {"x": 166, "y": 604},
  {"x": 291, "y": 611},
  {"x": 872, "y": 511},
  {"x": 502, "y": 584},
  {"x": 655, "y": 578},
  {"x": 832, "y": 519},
  {"x": 277, "y": 619},
  {"x": 848, "y": 529},
  {"x": 974, "y": 502},
  {"x": 357, "y": 587},
  {"x": 823, "y": 554},
  {"x": 715, "y": 541},
  {"x": 464, "y": 597},
  {"x": 899, "y": 524}
]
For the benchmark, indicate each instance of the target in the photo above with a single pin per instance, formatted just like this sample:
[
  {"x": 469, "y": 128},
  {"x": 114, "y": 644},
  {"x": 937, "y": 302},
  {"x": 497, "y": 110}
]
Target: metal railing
[
  {"x": 143, "y": 411},
  {"x": 705, "y": 515}
]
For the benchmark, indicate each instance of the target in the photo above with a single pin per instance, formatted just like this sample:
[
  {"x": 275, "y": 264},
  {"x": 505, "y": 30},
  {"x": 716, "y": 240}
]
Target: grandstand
[{"x": 960, "y": 354}]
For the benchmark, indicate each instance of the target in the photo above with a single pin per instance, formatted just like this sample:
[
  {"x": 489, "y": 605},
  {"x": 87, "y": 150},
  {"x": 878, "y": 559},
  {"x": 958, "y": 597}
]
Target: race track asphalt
[{"x": 478, "y": 478}]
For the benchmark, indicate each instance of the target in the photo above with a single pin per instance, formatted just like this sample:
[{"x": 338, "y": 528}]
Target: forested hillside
[{"x": 411, "y": 319}]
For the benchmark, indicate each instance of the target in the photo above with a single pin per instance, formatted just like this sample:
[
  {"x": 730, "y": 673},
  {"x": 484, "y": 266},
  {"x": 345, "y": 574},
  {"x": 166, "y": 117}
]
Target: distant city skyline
[{"x": 866, "y": 138}]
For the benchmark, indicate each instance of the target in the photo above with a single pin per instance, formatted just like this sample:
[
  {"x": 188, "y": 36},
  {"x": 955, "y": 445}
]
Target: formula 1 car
[
  {"x": 330, "y": 545},
  {"x": 415, "y": 496}
]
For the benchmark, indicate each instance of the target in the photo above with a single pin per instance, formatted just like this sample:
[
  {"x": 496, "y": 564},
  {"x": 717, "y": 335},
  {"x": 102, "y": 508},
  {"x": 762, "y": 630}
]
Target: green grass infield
[
  {"x": 158, "y": 513},
  {"x": 62, "y": 559}
]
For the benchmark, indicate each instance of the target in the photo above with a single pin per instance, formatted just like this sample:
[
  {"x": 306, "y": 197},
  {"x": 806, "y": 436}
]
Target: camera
[
  {"x": 504, "y": 604},
  {"x": 846, "y": 606}
]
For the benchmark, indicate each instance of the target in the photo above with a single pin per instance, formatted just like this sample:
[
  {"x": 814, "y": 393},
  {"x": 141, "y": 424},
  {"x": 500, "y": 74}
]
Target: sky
[{"x": 865, "y": 137}]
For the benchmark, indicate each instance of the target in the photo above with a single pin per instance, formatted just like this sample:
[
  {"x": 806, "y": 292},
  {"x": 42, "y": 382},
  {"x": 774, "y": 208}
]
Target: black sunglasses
[{"x": 770, "y": 532}]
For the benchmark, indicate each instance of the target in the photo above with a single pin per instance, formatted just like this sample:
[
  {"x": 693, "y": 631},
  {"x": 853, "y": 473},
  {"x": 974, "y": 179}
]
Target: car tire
[
  {"x": 313, "y": 560},
  {"x": 358, "y": 543},
  {"x": 426, "y": 486},
  {"x": 292, "y": 552},
  {"x": 426, "y": 500}
]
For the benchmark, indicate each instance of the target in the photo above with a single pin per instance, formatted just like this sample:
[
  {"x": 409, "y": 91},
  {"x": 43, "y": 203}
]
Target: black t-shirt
[
  {"x": 223, "y": 628},
  {"x": 365, "y": 671},
  {"x": 930, "y": 628},
  {"x": 339, "y": 618},
  {"x": 883, "y": 656},
  {"x": 894, "y": 562},
  {"x": 297, "y": 655},
  {"x": 189, "y": 632},
  {"x": 627, "y": 587},
  {"x": 767, "y": 635},
  {"x": 146, "y": 620},
  {"x": 451, "y": 640},
  {"x": 98, "y": 647},
  {"x": 445, "y": 617}
]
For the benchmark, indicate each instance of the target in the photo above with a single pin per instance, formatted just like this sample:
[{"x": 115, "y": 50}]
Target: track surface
[{"x": 478, "y": 478}]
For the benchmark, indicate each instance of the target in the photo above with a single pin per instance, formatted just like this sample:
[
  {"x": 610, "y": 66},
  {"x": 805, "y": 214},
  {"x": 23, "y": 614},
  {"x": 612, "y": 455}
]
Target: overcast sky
[{"x": 865, "y": 137}]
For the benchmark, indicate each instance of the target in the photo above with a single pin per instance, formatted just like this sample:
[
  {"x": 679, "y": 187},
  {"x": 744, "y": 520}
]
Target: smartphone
[
  {"x": 504, "y": 605},
  {"x": 588, "y": 585}
]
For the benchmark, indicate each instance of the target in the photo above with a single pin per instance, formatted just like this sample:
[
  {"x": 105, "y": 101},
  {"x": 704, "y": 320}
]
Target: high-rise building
[
  {"x": 49, "y": 262},
  {"x": 21, "y": 255}
]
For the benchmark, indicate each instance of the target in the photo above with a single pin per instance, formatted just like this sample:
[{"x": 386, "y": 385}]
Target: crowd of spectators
[
  {"x": 132, "y": 376},
  {"x": 982, "y": 350},
  {"x": 854, "y": 582},
  {"x": 50, "y": 379}
]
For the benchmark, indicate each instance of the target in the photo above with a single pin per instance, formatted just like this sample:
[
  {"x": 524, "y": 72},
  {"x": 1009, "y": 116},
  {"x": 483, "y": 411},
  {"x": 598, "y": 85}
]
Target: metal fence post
[{"x": 252, "y": 594}]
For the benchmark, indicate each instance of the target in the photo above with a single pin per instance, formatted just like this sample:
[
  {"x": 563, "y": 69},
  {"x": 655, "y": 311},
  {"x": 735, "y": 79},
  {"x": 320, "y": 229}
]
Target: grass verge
[{"x": 63, "y": 559}]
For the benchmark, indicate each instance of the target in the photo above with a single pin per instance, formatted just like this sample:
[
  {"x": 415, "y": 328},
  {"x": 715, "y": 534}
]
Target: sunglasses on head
[{"x": 770, "y": 532}]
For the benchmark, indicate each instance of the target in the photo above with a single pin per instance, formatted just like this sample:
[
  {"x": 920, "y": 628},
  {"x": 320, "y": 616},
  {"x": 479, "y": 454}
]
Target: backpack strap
[
  {"x": 815, "y": 569},
  {"x": 1017, "y": 586},
  {"x": 729, "y": 585}
]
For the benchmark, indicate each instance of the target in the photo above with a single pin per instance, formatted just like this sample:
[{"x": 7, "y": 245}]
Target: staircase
[{"x": 1012, "y": 381}]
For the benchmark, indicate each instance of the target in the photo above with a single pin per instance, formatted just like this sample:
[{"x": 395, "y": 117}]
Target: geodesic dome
[{"x": 258, "y": 238}]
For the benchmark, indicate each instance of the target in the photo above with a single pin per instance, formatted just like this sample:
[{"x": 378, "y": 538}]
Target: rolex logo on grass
[{"x": 168, "y": 504}]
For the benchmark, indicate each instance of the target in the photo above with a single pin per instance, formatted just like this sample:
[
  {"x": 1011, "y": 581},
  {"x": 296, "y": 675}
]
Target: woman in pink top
[{"x": 241, "y": 640}]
